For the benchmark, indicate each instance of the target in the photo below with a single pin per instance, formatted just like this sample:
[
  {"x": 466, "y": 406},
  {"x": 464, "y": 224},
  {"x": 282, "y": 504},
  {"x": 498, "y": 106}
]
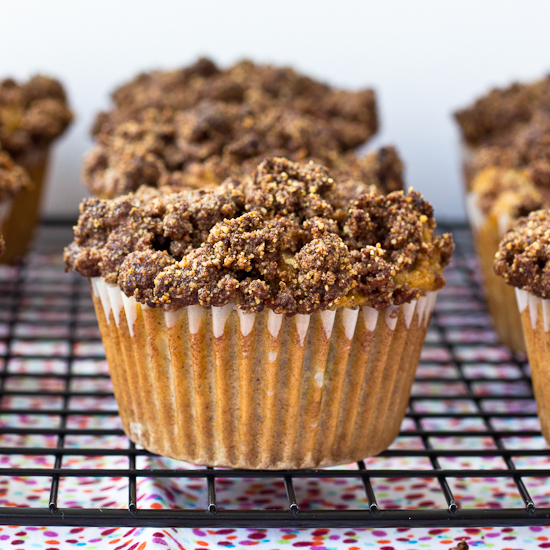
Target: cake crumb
[{"x": 286, "y": 237}]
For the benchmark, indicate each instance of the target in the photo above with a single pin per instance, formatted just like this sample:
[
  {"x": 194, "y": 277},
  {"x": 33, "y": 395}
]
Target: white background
[{"x": 424, "y": 58}]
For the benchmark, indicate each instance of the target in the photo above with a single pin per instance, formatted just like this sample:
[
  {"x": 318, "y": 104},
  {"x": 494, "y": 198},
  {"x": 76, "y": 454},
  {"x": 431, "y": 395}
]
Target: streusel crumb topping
[
  {"x": 286, "y": 238},
  {"x": 32, "y": 114},
  {"x": 523, "y": 258},
  {"x": 195, "y": 127},
  {"x": 502, "y": 110}
]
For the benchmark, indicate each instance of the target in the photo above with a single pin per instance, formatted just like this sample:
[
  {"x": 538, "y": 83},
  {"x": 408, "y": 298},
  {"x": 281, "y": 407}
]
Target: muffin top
[
  {"x": 509, "y": 192},
  {"x": 351, "y": 115},
  {"x": 13, "y": 178},
  {"x": 523, "y": 258},
  {"x": 197, "y": 126},
  {"x": 502, "y": 110},
  {"x": 32, "y": 114},
  {"x": 287, "y": 238},
  {"x": 527, "y": 147},
  {"x": 182, "y": 151}
]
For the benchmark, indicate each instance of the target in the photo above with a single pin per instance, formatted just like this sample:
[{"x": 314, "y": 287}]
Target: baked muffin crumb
[
  {"x": 13, "y": 178},
  {"x": 523, "y": 258},
  {"x": 195, "y": 127},
  {"x": 501, "y": 110},
  {"x": 284, "y": 238}
]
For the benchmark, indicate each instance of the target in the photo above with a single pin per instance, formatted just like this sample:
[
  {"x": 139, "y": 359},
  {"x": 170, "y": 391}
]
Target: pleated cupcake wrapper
[
  {"x": 501, "y": 299},
  {"x": 535, "y": 317},
  {"x": 219, "y": 387},
  {"x": 19, "y": 215}
]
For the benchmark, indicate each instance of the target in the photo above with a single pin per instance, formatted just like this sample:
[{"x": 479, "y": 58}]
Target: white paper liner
[
  {"x": 534, "y": 304},
  {"x": 223, "y": 388},
  {"x": 475, "y": 216}
]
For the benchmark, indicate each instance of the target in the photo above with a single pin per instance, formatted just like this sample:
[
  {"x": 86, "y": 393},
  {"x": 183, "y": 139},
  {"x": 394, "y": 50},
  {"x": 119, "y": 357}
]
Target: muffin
[
  {"x": 523, "y": 261},
  {"x": 499, "y": 196},
  {"x": 507, "y": 175},
  {"x": 197, "y": 126},
  {"x": 14, "y": 180},
  {"x": 32, "y": 115},
  {"x": 351, "y": 115},
  {"x": 270, "y": 322},
  {"x": 494, "y": 119}
]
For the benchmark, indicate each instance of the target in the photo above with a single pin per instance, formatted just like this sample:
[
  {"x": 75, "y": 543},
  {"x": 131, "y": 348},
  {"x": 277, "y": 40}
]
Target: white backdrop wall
[{"x": 424, "y": 58}]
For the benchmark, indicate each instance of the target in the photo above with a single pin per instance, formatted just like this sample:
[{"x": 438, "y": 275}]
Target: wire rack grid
[{"x": 470, "y": 452}]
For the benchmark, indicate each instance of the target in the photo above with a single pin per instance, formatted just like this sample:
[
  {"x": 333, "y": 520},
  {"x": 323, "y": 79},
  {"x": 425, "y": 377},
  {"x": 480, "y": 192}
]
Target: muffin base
[
  {"x": 501, "y": 298},
  {"x": 20, "y": 214},
  {"x": 218, "y": 387},
  {"x": 535, "y": 317},
  {"x": 467, "y": 153}
]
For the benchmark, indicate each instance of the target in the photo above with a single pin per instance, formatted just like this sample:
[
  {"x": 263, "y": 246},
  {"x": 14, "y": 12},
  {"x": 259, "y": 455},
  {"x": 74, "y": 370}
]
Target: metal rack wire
[{"x": 46, "y": 315}]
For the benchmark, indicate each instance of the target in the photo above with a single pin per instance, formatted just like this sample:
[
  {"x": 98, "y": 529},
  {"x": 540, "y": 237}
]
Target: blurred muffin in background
[
  {"x": 500, "y": 196},
  {"x": 506, "y": 141},
  {"x": 32, "y": 115},
  {"x": 14, "y": 180},
  {"x": 495, "y": 118},
  {"x": 351, "y": 115},
  {"x": 196, "y": 126}
]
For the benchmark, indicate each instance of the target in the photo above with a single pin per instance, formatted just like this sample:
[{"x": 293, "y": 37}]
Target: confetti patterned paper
[{"x": 463, "y": 371}]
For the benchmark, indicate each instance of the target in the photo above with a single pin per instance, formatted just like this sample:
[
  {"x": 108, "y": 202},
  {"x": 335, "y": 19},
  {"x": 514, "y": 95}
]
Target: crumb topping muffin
[
  {"x": 13, "y": 178},
  {"x": 523, "y": 258},
  {"x": 528, "y": 147},
  {"x": 32, "y": 114},
  {"x": 507, "y": 191},
  {"x": 352, "y": 115},
  {"x": 160, "y": 152},
  {"x": 502, "y": 110},
  {"x": 287, "y": 238},
  {"x": 197, "y": 126}
]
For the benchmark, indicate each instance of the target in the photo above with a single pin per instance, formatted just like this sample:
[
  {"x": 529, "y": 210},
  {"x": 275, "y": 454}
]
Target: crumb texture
[
  {"x": 197, "y": 126},
  {"x": 502, "y": 110},
  {"x": 509, "y": 192},
  {"x": 13, "y": 178},
  {"x": 523, "y": 258},
  {"x": 288, "y": 238},
  {"x": 32, "y": 114},
  {"x": 527, "y": 148}
]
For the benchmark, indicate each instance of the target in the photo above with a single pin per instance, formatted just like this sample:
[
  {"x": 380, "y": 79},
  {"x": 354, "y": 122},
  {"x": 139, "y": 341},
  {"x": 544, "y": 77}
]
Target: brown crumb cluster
[
  {"x": 502, "y": 109},
  {"x": 508, "y": 191},
  {"x": 284, "y": 238},
  {"x": 13, "y": 178},
  {"x": 528, "y": 148},
  {"x": 523, "y": 258},
  {"x": 197, "y": 126},
  {"x": 158, "y": 157},
  {"x": 32, "y": 114},
  {"x": 351, "y": 115}
]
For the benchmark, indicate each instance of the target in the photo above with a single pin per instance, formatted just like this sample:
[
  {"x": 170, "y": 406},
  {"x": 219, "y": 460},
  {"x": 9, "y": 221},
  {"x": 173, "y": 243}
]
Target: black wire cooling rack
[{"x": 47, "y": 320}]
